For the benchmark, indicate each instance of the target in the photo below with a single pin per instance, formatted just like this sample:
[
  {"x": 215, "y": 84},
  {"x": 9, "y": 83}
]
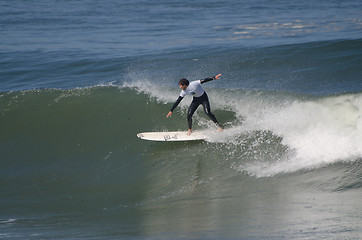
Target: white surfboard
[{"x": 172, "y": 136}]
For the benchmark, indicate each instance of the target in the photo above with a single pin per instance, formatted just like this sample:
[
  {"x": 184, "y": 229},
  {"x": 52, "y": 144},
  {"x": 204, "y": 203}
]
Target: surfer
[{"x": 199, "y": 98}]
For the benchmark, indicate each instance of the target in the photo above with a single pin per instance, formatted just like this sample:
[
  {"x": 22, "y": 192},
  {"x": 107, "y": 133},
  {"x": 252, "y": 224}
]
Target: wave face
[{"x": 267, "y": 133}]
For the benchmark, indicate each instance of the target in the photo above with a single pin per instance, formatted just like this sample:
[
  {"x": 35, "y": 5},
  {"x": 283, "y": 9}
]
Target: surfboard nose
[{"x": 140, "y": 135}]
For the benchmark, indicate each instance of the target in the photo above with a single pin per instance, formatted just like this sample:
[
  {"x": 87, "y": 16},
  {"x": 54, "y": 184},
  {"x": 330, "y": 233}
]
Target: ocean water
[{"x": 79, "y": 80}]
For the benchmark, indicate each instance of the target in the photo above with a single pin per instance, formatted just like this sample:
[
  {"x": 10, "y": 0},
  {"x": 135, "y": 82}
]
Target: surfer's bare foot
[
  {"x": 220, "y": 129},
  {"x": 189, "y": 132}
]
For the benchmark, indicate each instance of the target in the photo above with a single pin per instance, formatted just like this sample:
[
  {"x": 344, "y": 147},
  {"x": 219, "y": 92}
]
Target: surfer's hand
[
  {"x": 217, "y": 76},
  {"x": 169, "y": 114}
]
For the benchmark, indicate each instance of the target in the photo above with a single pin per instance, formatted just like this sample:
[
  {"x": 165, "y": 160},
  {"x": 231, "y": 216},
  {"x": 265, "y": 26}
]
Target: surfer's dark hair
[{"x": 183, "y": 82}]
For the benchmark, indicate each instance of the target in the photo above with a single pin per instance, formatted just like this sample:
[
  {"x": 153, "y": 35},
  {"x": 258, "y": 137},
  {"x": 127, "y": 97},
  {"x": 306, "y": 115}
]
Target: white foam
[
  {"x": 319, "y": 132},
  {"x": 11, "y": 220}
]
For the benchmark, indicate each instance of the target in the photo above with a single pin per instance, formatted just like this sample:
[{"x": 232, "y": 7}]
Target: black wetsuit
[{"x": 200, "y": 98}]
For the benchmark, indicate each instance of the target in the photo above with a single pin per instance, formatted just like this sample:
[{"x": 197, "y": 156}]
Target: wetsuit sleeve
[
  {"x": 176, "y": 103},
  {"x": 208, "y": 79}
]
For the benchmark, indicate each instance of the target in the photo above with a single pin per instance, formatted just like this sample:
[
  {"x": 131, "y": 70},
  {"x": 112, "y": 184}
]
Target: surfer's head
[{"x": 183, "y": 83}]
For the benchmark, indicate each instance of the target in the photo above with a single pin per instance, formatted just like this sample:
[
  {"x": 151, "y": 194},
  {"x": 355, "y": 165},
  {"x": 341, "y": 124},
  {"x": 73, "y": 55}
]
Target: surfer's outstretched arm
[
  {"x": 208, "y": 79},
  {"x": 174, "y": 106}
]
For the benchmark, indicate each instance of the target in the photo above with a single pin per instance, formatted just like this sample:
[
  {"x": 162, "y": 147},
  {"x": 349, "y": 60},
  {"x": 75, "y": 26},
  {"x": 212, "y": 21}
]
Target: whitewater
[{"x": 315, "y": 130}]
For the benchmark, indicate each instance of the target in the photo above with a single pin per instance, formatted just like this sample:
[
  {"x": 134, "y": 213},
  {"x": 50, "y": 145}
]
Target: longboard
[{"x": 172, "y": 136}]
